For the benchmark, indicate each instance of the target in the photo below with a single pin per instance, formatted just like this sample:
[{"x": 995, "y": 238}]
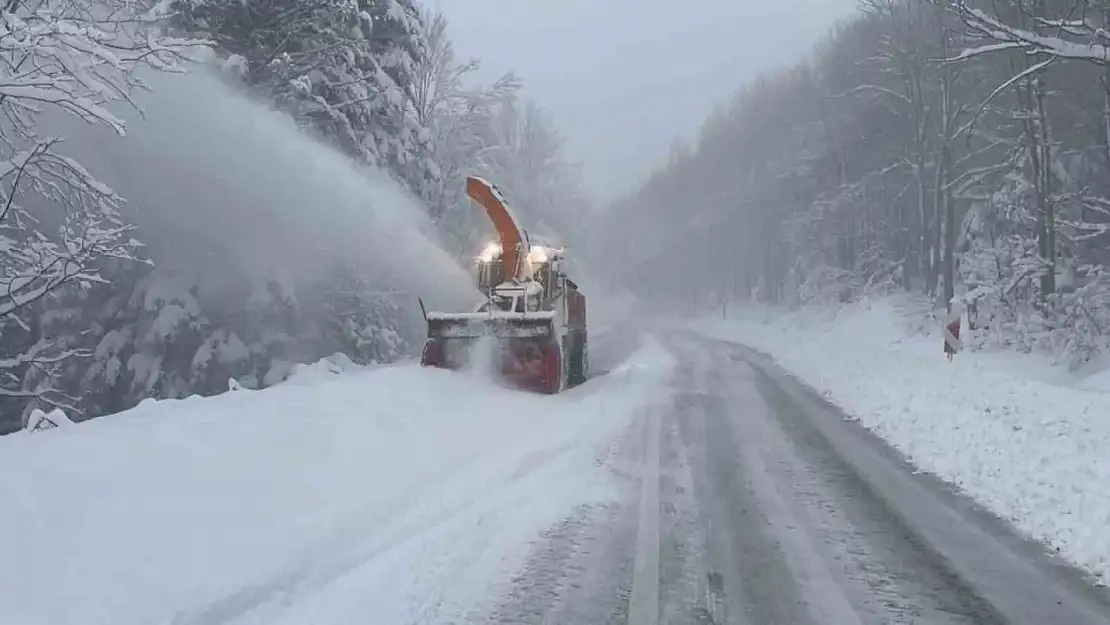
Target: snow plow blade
[
  {"x": 481, "y": 324},
  {"x": 526, "y": 349}
]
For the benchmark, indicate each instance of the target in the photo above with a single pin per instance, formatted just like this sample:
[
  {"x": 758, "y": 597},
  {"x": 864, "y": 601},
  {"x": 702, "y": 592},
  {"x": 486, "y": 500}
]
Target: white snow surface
[
  {"x": 390, "y": 495},
  {"x": 1002, "y": 427}
]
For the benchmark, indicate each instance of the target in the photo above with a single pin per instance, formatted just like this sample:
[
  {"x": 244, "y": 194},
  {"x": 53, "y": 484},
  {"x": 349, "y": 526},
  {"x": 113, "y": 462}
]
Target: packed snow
[
  {"x": 1011, "y": 431},
  {"x": 342, "y": 495}
]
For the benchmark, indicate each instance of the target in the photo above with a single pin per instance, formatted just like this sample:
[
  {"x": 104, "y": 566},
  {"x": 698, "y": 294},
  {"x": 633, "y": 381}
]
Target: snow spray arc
[{"x": 221, "y": 184}]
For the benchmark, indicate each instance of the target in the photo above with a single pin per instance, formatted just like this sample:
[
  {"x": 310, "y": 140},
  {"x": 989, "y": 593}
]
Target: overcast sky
[{"x": 623, "y": 78}]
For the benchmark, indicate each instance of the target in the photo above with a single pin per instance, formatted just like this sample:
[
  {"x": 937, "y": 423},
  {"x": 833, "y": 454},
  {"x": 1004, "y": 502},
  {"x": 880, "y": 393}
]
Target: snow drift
[
  {"x": 361, "y": 496},
  {"x": 1032, "y": 452}
]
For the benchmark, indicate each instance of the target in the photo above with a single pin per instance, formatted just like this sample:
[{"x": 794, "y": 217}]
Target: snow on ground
[
  {"x": 393, "y": 495},
  {"x": 1034, "y": 452}
]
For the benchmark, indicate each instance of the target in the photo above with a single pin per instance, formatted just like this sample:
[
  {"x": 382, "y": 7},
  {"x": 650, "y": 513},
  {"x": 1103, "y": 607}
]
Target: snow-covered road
[
  {"x": 1008, "y": 429},
  {"x": 692, "y": 483},
  {"x": 748, "y": 499}
]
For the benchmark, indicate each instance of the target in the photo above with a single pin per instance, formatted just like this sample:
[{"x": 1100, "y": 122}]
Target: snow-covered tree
[
  {"x": 57, "y": 222},
  {"x": 345, "y": 68},
  {"x": 460, "y": 118},
  {"x": 364, "y": 321},
  {"x": 956, "y": 149}
]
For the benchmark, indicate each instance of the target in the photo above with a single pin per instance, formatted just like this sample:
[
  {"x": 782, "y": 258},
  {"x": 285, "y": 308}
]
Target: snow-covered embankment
[{"x": 393, "y": 495}]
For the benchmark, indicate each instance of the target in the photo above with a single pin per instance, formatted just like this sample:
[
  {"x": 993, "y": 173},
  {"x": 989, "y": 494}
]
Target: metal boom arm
[{"x": 513, "y": 239}]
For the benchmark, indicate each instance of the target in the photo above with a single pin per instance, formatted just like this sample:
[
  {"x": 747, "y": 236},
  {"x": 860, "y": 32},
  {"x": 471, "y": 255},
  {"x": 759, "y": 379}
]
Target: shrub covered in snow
[{"x": 38, "y": 420}]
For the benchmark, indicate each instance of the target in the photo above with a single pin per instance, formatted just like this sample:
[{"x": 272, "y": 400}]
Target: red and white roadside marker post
[{"x": 952, "y": 342}]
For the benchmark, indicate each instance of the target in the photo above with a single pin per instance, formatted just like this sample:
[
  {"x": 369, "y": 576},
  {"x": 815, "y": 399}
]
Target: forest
[
  {"x": 956, "y": 151},
  {"x": 91, "y": 325}
]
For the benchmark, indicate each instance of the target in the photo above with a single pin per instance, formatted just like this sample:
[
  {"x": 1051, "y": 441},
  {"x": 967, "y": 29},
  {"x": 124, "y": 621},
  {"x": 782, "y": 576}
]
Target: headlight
[
  {"x": 537, "y": 255},
  {"x": 491, "y": 252}
]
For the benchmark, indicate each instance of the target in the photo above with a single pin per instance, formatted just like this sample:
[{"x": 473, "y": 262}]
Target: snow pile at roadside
[
  {"x": 389, "y": 495},
  {"x": 38, "y": 420},
  {"x": 1035, "y": 453}
]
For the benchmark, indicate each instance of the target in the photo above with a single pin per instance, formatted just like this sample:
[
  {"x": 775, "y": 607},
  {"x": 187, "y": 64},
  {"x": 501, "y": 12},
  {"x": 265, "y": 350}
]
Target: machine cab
[{"x": 546, "y": 282}]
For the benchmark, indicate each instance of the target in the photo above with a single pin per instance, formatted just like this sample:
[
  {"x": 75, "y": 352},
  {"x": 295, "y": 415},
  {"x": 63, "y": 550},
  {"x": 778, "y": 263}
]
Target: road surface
[{"x": 749, "y": 500}]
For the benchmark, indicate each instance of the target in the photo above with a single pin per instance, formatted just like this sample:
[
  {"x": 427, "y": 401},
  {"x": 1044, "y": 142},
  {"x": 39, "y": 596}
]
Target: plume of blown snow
[{"x": 222, "y": 186}]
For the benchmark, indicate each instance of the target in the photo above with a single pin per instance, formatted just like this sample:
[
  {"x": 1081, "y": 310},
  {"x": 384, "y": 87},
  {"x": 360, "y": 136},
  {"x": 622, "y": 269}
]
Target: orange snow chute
[{"x": 512, "y": 238}]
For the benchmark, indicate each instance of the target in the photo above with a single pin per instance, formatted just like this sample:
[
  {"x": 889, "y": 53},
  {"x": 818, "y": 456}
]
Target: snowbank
[
  {"x": 1034, "y": 452},
  {"x": 390, "y": 495}
]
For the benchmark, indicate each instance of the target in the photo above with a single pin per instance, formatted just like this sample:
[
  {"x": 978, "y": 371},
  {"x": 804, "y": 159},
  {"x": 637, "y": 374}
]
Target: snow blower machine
[{"x": 533, "y": 318}]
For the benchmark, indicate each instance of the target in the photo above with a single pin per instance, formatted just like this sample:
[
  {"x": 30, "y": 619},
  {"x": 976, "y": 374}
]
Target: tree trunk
[
  {"x": 1044, "y": 196},
  {"x": 1039, "y": 150},
  {"x": 944, "y": 162}
]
